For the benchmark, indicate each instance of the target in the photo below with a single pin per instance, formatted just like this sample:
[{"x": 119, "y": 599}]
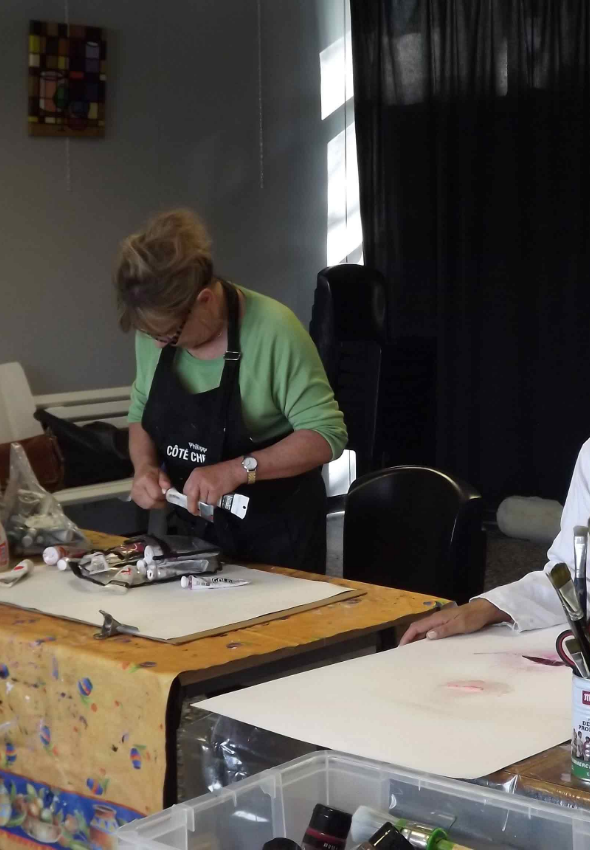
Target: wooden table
[
  {"x": 237, "y": 658},
  {"x": 546, "y": 777}
]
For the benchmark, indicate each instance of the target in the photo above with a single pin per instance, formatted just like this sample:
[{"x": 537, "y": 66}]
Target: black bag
[{"x": 93, "y": 453}]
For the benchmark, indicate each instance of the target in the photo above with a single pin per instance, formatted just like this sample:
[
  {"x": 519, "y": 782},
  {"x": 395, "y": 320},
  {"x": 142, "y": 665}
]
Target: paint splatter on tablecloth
[{"x": 82, "y": 733}]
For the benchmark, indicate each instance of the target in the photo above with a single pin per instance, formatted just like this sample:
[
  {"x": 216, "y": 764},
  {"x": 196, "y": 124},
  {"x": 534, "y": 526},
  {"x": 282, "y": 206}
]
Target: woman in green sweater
[{"x": 230, "y": 396}]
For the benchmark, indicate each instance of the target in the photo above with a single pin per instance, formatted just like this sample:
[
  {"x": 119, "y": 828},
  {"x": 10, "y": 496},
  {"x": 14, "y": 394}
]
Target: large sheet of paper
[
  {"x": 165, "y": 611},
  {"x": 462, "y": 707}
]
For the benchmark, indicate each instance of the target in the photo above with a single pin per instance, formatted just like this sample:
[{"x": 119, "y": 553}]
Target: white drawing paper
[
  {"x": 165, "y": 611},
  {"x": 462, "y": 707}
]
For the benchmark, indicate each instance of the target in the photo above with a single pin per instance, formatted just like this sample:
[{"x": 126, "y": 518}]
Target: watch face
[{"x": 250, "y": 463}]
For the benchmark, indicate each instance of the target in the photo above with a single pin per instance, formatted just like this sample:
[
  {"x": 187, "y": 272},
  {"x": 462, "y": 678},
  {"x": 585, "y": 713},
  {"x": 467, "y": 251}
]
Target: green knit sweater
[{"x": 283, "y": 384}]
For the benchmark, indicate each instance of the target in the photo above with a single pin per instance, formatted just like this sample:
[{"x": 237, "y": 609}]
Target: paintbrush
[
  {"x": 366, "y": 821},
  {"x": 561, "y": 579},
  {"x": 580, "y": 549},
  {"x": 573, "y": 647}
]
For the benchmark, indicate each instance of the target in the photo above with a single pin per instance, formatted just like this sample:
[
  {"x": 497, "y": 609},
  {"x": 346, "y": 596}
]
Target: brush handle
[
  {"x": 580, "y": 583},
  {"x": 578, "y": 628}
]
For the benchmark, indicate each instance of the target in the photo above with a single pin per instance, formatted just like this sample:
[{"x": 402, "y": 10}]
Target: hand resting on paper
[
  {"x": 148, "y": 483},
  {"x": 460, "y": 620}
]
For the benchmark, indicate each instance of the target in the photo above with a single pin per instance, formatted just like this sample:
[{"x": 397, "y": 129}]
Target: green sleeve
[
  {"x": 141, "y": 386},
  {"x": 301, "y": 389}
]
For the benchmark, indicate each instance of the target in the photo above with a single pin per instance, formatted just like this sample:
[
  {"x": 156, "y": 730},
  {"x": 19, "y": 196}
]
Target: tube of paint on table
[
  {"x": 53, "y": 554},
  {"x": 328, "y": 828},
  {"x": 150, "y": 553},
  {"x": 580, "y": 549},
  {"x": 65, "y": 563},
  {"x": 172, "y": 569},
  {"x": 127, "y": 550},
  {"x": 211, "y": 582},
  {"x": 15, "y": 574}
]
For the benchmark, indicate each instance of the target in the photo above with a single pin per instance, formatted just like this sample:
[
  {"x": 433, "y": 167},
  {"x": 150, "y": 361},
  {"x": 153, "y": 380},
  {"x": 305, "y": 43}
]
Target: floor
[{"x": 508, "y": 559}]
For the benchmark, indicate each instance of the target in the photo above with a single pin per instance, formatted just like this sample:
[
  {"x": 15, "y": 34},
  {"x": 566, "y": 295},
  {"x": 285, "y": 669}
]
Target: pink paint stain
[{"x": 477, "y": 686}]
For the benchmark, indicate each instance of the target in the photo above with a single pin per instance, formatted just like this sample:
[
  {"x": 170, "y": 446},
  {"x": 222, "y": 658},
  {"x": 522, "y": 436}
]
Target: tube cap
[
  {"x": 331, "y": 821},
  {"x": 281, "y": 844}
]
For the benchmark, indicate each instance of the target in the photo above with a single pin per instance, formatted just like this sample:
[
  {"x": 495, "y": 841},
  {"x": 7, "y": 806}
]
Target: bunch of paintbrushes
[{"x": 573, "y": 597}]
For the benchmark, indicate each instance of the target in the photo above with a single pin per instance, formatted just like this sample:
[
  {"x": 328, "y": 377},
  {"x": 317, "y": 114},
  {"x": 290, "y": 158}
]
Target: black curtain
[{"x": 473, "y": 137}]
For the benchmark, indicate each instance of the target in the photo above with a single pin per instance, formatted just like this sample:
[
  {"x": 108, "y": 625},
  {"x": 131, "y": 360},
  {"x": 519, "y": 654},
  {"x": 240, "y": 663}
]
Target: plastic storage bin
[{"x": 279, "y": 802}]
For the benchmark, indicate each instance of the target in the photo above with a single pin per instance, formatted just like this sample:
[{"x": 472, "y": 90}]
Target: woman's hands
[
  {"x": 209, "y": 483},
  {"x": 148, "y": 483},
  {"x": 460, "y": 620}
]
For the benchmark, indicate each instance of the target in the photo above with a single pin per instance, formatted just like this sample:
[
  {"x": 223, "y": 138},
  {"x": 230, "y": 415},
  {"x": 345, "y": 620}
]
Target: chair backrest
[
  {"x": 415, "y": 528},
  {"x": 348, "y": 326},
  {"x": 17, "y": 405}
]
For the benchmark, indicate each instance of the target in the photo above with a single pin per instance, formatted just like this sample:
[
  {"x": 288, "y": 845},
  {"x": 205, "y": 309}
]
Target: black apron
[{"x": 286, "y": 520}]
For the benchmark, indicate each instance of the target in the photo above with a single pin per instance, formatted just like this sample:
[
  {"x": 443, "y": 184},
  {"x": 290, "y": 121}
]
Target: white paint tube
[
  {"x": 235, "y": 503},
  {"x": 66, "y": 562},
  {"x": 14, "y": 575},
  {"x": 211, "y": 582},
  {"x": 151, "y": 553},
  {"x": 173, "y": 569},
  {"x": 53, "y": 554}
]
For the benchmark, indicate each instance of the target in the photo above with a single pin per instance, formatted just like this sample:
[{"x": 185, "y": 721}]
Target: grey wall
[{"x": 182, "y": 129}]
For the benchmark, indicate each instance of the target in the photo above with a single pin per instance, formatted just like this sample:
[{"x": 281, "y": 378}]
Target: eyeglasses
[{"x": 173, "y": 338}]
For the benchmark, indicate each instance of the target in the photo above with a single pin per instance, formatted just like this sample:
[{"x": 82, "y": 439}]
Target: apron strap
[{"x": 231, "y": 369}]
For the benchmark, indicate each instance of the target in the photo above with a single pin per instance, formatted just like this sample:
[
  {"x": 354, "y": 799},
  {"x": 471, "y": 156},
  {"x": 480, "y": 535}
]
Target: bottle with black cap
[
  {"x": 281, "y": 844},
  {"x": 386, "y": 838},
  {"x": 328, "y": 829}
]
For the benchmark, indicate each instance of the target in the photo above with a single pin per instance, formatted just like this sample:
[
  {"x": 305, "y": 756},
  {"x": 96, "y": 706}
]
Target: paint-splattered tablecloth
[{"x": 82, "y": 733}]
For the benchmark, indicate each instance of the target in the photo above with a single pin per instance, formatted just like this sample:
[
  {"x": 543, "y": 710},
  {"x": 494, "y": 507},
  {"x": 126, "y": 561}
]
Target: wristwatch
[{"x": 250, "y": 464}]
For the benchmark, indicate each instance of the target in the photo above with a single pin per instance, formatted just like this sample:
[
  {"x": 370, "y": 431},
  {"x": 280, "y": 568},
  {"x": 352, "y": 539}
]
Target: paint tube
[
  {"x": 127, "y": 550},
  {"x": 53, "y": 554},
  {"x": 210, "y": 582},
  {"x": 14, "y": 575},
  {"x": 66, "y": 562},
  {"x": 235, "y": 503},
  {"x": 151, "y": 553},
  {"x": 172, "y": 569}
]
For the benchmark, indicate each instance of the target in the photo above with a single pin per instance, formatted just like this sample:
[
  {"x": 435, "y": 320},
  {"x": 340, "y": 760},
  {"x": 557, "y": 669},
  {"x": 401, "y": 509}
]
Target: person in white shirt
[{"x": 531, "y": 602}]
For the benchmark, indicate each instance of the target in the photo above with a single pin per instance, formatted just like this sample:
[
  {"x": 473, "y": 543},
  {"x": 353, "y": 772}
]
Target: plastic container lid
[{"x": 330, "y": 821}]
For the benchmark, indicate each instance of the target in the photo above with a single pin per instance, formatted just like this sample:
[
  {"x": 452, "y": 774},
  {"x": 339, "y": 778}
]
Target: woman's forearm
[
  {"x": 141, "y": 448},
  {"x": 299, "y": 452}
]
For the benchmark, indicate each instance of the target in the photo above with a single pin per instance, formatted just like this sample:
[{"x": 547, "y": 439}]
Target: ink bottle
[{"x": 328, "y": 829}]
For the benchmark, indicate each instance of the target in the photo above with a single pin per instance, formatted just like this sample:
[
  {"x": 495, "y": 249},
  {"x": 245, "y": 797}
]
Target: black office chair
[
  {"x": 385, "y": 388},
  {"x": 417, "y": 529},
  {"x": 348, "y": 326}
]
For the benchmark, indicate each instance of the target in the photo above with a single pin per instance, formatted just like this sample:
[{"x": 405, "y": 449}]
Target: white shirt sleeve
[{"x": 531, "y": 602}]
